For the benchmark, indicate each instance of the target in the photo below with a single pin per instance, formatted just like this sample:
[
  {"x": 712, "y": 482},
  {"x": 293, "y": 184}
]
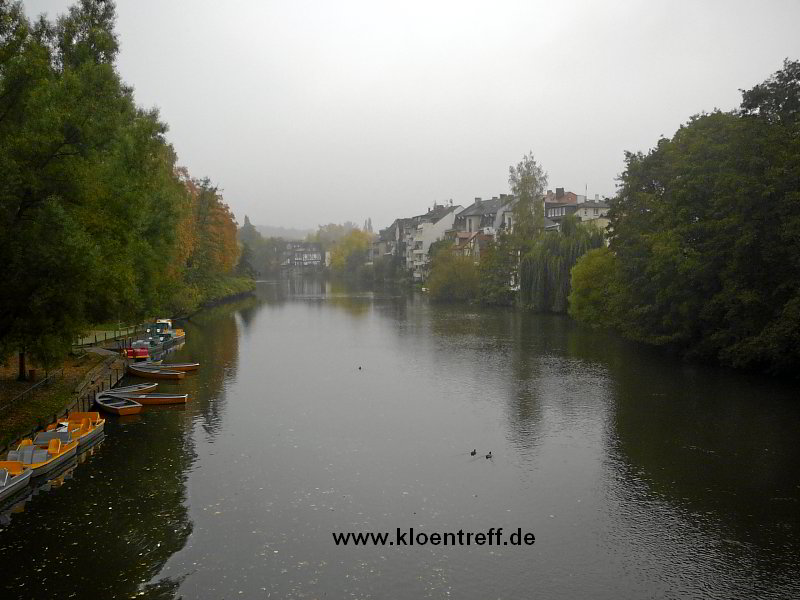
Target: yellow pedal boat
[
  {"x": 59, "y": 448},
  {"x": 83, "y": 426},
  {"x": 13, "y": 478}
]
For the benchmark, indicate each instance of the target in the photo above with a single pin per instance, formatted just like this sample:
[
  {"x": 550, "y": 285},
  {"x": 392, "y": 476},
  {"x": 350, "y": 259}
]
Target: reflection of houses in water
[{"x": 301, "y": 256}]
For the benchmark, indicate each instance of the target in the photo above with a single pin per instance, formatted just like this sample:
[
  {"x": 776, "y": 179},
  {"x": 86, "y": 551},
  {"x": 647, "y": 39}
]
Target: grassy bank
[
  {"x": 45, "y": 401},
  {"x": 209, "y": 291},
  {"x": 214, "y": 290}
]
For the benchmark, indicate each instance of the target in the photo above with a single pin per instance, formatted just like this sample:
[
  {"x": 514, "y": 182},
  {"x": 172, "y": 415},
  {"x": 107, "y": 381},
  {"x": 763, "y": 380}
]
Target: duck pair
[{"x": 475, "y": 451}]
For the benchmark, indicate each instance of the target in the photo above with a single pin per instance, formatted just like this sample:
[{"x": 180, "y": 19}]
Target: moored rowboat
[
  {"x": 155, "y": 373},
  {"x": 118, "y": 405},
  {"x": 139, "y": 388},
  {"x": 187, "y": 366},
  {"x": 153, "y": 398}
]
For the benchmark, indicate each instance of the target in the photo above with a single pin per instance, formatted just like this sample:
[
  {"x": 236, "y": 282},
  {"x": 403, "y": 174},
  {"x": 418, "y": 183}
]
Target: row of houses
[
  {"x": 473, "y": 227},
  {"x": 470, "y": 229}
]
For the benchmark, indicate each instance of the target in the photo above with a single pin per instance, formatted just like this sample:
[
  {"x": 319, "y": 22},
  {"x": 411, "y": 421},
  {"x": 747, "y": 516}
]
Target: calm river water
[{"x": 641, "y": 477}]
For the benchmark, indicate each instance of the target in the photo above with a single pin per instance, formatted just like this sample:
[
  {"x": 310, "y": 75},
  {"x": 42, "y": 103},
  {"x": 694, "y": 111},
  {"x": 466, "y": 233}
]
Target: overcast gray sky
[{"x": 309, "y": 112}]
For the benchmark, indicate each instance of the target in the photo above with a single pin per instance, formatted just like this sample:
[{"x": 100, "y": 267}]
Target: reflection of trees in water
[
  {"x": 719, "y": 447},
  {"x": 716, "y": 443},
  {"x": 215, "y": 345},
  {"x": 305, "y": 286},
  {"x": 493, "y": 344},
  {"x": 394, "y": 307},
  {"x": 355, "y": 298},
  {"x": 114, "y": 526},
  {"x": 248, "y": 309},
  {"x": 273, "y": 292},
  {"x": 278, "y": 291}
]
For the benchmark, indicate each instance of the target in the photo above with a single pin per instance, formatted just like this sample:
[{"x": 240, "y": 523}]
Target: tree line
[
  {"x": 704, "y": 254},
  {"x": 97, "y": 221}
]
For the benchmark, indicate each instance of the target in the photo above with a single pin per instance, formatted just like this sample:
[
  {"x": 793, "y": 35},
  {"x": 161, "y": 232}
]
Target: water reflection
[
  {"x": 639, "y": 475},
  {"x": 720, "y": 448},
  {"x": 214, "y": 344},
  {"x": 84, "y": 534}
]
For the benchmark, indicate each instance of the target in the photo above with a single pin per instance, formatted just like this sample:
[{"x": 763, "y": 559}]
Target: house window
[{"x": 595, "y": 211}]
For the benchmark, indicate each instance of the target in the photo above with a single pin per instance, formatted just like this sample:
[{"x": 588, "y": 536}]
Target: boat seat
[
  {"x": 13, "y": 467},
  {"x": 46, "y": 437},
  {"x": 25, "y": 454},
  {"x": 40, "y": 455},
  {"x": 78, "y": 417}
]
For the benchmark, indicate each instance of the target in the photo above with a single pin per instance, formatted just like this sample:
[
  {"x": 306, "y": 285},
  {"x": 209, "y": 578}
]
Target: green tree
[
  {"x": 330, "y": 234},
  {"x": 528, "y": 181},
  {"x": 706, "y": 234},
  {"x": 453, "y": 277},
  {"x": 245, "y": 267},
  {"x": 497, "y": 270},
  {"x": 350, "y": 252},
  {"x": 595, "y": 297},
  {"x": 248, "y": 234},
  {"x": 93, "y": 209},
  {"x": 62, "y": 113},
  {"x": 500, "y": 263}
]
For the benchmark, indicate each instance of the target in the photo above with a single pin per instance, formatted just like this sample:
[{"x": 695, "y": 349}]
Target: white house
[{"x": 430, "y": 228}]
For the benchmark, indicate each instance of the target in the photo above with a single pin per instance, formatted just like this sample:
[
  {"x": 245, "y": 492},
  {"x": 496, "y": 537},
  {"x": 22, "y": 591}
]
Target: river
[{"x": 319, "y": 410}]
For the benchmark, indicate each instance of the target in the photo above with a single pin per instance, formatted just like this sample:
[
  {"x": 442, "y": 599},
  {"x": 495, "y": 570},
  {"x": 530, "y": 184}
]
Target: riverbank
[
  {"x": 211, "y": 291},
  {"x": 32, "y": 403},
  {"x": 28, "y": 405}
]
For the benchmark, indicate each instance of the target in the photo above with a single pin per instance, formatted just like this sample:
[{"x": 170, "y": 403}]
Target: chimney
[
  {"x": 549, "y": 192},
  {"x": 559, "y": 192}
]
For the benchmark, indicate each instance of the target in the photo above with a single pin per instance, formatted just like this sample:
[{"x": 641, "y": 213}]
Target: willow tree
[{"x": 545, "y": 270}]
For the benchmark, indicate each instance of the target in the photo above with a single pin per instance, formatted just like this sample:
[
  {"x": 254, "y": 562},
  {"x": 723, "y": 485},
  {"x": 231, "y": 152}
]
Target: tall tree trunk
[{"x": 21, "y": 366}]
